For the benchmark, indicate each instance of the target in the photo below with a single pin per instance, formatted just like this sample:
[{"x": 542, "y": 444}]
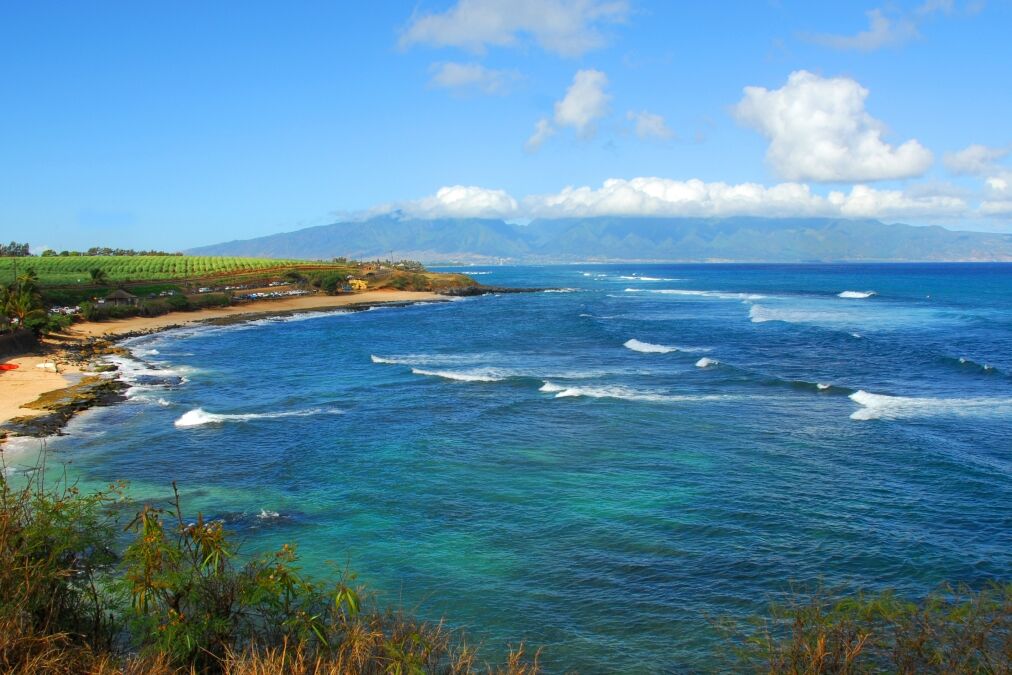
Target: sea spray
[{"x": 200, "y": 417}]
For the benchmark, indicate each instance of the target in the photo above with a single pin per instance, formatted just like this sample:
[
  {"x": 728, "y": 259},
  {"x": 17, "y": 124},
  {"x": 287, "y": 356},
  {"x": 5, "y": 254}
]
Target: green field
[{"x": 72, "y": 270}]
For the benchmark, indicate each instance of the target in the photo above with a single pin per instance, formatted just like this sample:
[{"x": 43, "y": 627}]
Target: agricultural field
[{"x": 73, "y": 270}]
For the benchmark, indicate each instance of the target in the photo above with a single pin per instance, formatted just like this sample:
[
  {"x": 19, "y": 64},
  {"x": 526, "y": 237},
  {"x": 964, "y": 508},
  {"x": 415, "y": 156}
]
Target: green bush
[
  {"x": 180, "y": 596},
  {"x": 955, "y": 630}
]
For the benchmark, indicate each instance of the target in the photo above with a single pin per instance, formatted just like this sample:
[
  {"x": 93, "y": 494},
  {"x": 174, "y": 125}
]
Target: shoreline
[{"x": 47, "y": 390}]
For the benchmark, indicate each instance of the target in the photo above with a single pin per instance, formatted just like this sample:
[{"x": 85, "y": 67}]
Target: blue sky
[{"x": 177, "y": 125}]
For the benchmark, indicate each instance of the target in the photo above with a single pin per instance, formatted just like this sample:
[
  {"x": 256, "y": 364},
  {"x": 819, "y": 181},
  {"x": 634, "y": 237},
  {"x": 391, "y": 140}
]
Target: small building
[
  {"x": 358, "y": 285},
  {"x": 121, "y": 297}
]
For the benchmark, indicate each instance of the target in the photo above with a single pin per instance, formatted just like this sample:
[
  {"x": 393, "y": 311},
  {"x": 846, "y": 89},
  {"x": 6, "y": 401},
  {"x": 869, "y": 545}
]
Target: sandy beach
[{"x": 29, "y": 381}]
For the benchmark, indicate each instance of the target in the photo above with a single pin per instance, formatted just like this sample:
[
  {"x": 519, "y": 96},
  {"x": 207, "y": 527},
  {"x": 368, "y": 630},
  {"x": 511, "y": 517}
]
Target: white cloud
[
  {"x": 664, "y": 197},
  {"x": 543, "y": 130},
  {"x": 819, "y": 130},
  {"x": 461, "y": 201},
  {"x": 648, "y": 196},
  {"x": 975, "y": 160},
  {"x": 883, "y": 30},
  {"x": 473, "y": 76},
  {"x": 649, "y": 125},
  {"x": 998, "y": 195},
  {"x": 584, "y": 103},
  {"x": 566, "y": 27},
  {"x": 866, "y": 202}
]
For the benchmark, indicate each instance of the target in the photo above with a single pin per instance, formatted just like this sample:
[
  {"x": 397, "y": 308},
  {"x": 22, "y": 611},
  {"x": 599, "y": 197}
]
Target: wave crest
[
  {"x": 463, "y": 376},
  {"x": 200, "y": 417},
  {"x": 647, "y": 347},
  {"x": 855, "y": 295},
  {"x": 881, "y": 406}
]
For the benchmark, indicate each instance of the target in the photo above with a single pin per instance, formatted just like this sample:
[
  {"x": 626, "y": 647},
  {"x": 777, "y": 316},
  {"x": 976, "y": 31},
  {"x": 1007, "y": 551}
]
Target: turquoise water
[{"x": 516, "y": 464}]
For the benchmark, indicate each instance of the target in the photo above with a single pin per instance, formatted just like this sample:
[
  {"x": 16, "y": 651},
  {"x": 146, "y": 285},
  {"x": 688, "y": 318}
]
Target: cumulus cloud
[
  {"x": 647, "y": 196},
  {"x": 584, "y": 103},
  {"x": 975, "y": 160},
  {"x": 818, "y": 130},
  {"x": 649, "y": 125},
  {"x": 665, "y": 197},
  {"x": 472, "y": 76},
  {"x": 461, "y": 201},
  {"x": 565, "y": 27}
]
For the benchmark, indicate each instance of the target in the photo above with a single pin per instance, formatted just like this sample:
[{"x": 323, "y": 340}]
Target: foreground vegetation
[{"x": 174, "y": 595}]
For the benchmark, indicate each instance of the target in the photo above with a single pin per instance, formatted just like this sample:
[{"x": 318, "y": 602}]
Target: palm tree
[
  {"x": 28, "y": 280},
  {"x": 22, "y": 305},
  {"x": 98, "y": 276}
]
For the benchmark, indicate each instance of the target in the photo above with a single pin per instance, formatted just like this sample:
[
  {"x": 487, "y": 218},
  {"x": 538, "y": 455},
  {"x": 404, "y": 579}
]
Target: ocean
[{"x": 605, "y": 469}]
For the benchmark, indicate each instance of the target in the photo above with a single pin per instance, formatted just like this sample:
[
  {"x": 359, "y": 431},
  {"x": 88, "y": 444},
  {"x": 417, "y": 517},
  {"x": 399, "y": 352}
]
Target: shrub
[
  {"x": 955, "y": 630},
  {"x": 180, "y": 598},
  {"x": 54, "y": 546}
]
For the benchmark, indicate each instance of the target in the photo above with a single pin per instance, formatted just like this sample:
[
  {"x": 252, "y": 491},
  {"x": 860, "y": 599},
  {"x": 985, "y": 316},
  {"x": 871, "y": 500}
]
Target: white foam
[
  {"x": 133, "y": 371},
  {"x": 880, "y": 406},
  {"x": 647, "y": 347},
  {"x": 430, "y": 359},
  {"x": 722, "y": 295},
  {"x": 762, "y": 314},
  {"x": 821, "y": 386},
  {"x": 484, "y": 375},
  {"x": 268, "y": 515},
  {"x": 561, "y": 290},
  {"x": 637, "y": 278},
  {"x": 623, "y": 393},
  {"x": 706, "y": 362},
  {"x": 856, "y": 295},
  {"x": 199, "y": 417}
]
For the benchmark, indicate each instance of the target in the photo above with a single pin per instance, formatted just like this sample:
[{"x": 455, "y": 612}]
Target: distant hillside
[{"x": 670, "y": 239}]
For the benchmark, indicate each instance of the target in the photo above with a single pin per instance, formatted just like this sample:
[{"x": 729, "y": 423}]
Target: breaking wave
[
  {"x": 855, "y": 295},
  {"x": 200, "y": 417},
  {"x": 623, "y": 393},
  {"x": 428, "y": 359},
  {"x": 722, "y": 295},
  {"x": 638, "y": 278},
  {"x": 647, "y": 347},
  {"x": 880, "y": 406},
  {"x": 706, "y": 362},
  {"x": 482, "y": 375}
]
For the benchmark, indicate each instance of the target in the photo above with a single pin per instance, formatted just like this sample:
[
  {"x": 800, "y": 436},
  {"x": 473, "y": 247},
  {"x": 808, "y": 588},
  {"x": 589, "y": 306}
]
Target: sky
[{"x": 173, "y": 125}]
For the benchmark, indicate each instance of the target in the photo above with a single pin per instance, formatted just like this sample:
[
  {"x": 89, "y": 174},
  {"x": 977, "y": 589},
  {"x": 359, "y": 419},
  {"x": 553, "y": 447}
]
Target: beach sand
[{"x": 28, "y": 382}]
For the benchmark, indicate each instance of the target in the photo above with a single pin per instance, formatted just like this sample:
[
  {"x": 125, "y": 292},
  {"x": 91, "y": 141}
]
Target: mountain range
[{"x": 746, "y": 239}]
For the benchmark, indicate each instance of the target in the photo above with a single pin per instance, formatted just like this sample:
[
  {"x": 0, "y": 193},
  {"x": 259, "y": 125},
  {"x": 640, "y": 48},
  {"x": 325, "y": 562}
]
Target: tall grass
[{"x": 179, "y": 598}]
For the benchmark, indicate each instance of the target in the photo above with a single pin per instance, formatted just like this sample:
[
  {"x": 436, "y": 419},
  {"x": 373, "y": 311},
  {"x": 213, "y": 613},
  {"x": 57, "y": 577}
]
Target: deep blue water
[{"x": 511, "y": 463}]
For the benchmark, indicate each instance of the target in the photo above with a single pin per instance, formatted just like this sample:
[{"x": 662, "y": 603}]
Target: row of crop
[{"x": 78, "y": 269}]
